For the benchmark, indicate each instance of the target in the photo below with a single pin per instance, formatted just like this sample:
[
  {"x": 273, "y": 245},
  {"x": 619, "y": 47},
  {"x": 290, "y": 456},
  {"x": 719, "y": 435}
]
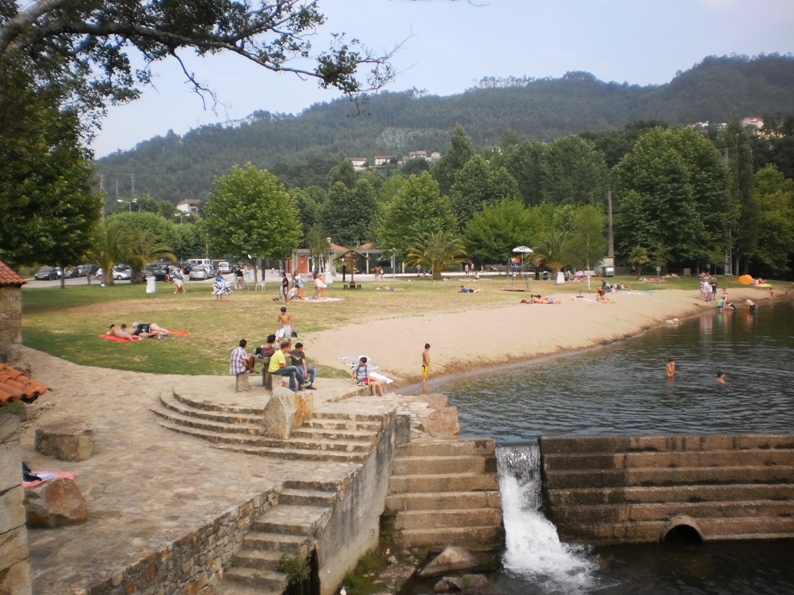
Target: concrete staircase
[
  {"x": 446, "y": 492},
  {"x": 619, "y": 490},
  {"x": 289, "y": 528},
  {"x": 327, "y": 436}
]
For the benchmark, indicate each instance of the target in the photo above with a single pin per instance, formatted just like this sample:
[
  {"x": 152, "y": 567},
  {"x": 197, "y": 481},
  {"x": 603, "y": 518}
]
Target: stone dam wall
[{"x": 611, "y": 490}]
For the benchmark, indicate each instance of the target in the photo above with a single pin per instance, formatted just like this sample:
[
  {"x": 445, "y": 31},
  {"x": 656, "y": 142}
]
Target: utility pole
[
  {"x": 117, "y": 189},
  {"x": 611, "y": 249},
  {"x": 132, "y": 182}
]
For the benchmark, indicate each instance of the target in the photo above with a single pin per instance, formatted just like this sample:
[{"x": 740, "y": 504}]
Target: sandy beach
[{"x": 481, "y": 338}]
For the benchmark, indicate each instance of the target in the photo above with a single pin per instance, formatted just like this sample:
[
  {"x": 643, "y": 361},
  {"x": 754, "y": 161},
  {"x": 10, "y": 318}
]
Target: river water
[{"x": 622, "y": 389}]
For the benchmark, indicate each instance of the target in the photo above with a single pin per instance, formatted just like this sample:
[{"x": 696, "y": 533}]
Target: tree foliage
[
  {"x": 479, "y": 184},
  {"x": 436, "y": 251},
  {"x": 494, "y": 231},
  {"x": 250, "y": 212},
  {"x": 347, "y": 214},
  {"x": 457, "y": 156},
  {"x": 774, "y": 197}
]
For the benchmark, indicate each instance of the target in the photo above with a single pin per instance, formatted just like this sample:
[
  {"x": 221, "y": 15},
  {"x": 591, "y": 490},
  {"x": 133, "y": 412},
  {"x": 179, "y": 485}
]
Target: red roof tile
[
  {"x": 9, "y": 277},
  {"x": 15, "y": 386}
]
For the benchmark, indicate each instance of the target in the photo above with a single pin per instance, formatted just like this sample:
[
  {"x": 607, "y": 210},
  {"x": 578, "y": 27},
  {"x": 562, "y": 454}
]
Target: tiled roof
[
  {"x": 9, "y": 277},
  {"x": 15, "y": 386}
]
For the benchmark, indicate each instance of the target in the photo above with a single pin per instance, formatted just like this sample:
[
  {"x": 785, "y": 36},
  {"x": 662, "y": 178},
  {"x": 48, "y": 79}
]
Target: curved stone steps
[
  {"x": 328, "y": 423},
  {"x": 205, "y": 425},
  {"x": 170, "y": 401},
  {"x": 325, "y": 434},
  {"x": 212, "y": 406}
]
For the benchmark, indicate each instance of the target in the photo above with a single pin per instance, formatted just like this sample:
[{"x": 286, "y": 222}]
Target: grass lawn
[{"x": 66, "y": 322}]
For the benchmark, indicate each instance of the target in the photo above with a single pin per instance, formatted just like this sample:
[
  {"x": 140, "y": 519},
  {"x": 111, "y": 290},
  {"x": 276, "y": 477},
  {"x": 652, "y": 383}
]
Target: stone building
[{"x": 10, "y": 306}]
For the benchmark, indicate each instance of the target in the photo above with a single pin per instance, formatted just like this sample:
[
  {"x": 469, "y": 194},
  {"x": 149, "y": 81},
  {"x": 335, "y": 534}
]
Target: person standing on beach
[
  {"x": 285, "y": 325},
  {"x": 670, "y": 368},
  {"x": 425, "y": 367}
]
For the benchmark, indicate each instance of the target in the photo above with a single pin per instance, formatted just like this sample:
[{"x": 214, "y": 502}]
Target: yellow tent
[{"x": 745, "y": 280}]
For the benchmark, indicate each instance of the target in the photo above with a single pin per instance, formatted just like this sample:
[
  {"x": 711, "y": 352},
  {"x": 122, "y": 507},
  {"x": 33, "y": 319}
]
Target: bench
[{"x": 351, "y": 286}]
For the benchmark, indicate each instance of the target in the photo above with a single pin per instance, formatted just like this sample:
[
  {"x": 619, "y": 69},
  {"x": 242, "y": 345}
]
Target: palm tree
[
  {"x": 105, "y": 251},
  {"x": 437, "y": 251},
  {"x": 138, "y": 247},
  {"x": 553, "y": 249},
  {"x": 638, "y": 257}
]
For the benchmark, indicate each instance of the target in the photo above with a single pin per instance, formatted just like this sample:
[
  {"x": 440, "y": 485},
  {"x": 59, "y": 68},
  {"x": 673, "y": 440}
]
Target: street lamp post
[
  {"x": 129, "y": 202},
  {"x": 394, "y": 263},
  {"x": 180, "y": 214}
]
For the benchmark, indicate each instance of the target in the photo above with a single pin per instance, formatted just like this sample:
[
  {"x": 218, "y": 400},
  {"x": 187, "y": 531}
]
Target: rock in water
[{"x": 452, "y": 558}]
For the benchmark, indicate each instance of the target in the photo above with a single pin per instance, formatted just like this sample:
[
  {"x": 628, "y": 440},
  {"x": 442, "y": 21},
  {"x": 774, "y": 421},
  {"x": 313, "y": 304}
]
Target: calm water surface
[{"x": 622, "y": 389}]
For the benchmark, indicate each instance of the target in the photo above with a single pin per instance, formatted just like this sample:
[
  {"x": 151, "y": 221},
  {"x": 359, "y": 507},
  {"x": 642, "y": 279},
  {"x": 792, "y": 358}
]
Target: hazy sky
[{"x": 448, "y": 45}]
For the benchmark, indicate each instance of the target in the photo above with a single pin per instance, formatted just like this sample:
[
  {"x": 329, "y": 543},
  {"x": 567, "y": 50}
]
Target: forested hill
[{"x": 301, "y": 148}]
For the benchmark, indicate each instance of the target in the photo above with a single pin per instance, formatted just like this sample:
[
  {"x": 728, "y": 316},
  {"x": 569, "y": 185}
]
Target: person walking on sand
[
  {"x": 670, "y": 368},
  {"x": 425, "y": 367},
  {"x": 285, "y": 325}
]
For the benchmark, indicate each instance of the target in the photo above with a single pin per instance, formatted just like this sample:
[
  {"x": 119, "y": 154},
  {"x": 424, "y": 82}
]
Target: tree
[
  {"x": 48, "y": 210},
  {"x": 638, "y": 257},
  {"x": 524, "y": 163},
  {"x": 494, "y": 231},
  {"x": 309, "y": 202},
  {"x": 774, "y": 196},
  {"x": 105, "y": 251},
  {"x": 142, "y": 238},
  {"x": 553, "y": 249},
  {"x": 460, "y": 151},
  {"x": 588, "y": 240},
  {"x": 343, "y": 173},
  {"x": 415, "y": 166},
  {"x": 250, "y": 213},
  {"x": 437, "y": 251},
  {"x": 186, "y": 240},
  {"x": 83, "y": 46},
  {"x": 671, "y": 197},
  {"x": 573, "y": 172},
  {"x": 347, "y": 214},
  {"x": 478, "y": 184},
  {"x": 417, "y": 210}
]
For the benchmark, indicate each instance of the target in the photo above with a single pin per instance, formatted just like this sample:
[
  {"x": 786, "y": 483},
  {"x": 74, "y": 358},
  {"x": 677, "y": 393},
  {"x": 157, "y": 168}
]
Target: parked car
[
  {"x": 224, "y": 268},
  {"x": 158, "y": 270},
  {"x": 201, "y": 271},
  {"x": 47, "y": 274},
  {"x": 122, "y": 272}
]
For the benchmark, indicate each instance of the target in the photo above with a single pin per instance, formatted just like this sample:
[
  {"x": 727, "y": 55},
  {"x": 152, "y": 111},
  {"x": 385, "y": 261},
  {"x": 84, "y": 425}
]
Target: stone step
[
  {"x": 342, "y": 424},
  {"x": 452, "y": 482},
  {"x": 306, "y": 497},
  {"x": 262, "y": 559},
  {"x": 231, "y": 588},
  {"x": 211, "y": 406},
  {"x": 443, "y": 465},
  {"x": 448, "y": 448},
  {"x": 354, "y": 417},
  {"x": 694, "y": 493},
  {"x": 262, "y": 441},
  {"x": 443, "y": 501},
  {"x": 296, "y": 453},
  {"x": 653, "y": 531},
  {"x": 622, "y": 513},
  {"x": 474, "y": 538},
  {"x": 257, "y": 578},
  {"x": 613, "y": 444},
  {"x": 311, "y": 485},
  {"x": 673, "y": 476},
  {"x": 638, "y": 460},
  {"x": 447, "y": 519},
  {"x": 207, "y": 425},
  {"x": 263, "y": 541},
  {"x": 327, "y": 434},
  {"x": 292, "y": 519},
  {"x": 170, "y": 402}
]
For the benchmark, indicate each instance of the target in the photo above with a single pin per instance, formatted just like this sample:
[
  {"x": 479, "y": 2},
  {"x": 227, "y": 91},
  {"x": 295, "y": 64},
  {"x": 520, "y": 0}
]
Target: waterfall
[{"x": 533, "y": 550}]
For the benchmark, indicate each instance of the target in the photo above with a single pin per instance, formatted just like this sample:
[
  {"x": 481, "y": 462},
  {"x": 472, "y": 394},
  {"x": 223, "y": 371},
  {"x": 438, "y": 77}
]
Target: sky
[{"x": 446, "y": 46}]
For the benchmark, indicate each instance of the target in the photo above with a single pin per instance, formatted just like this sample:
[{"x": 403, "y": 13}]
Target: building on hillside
[
  {"x": 188, "y": 206},
  {"x": 381, "y": 160},
  {"x": 421, "y": 154},
  {"x": 358, "y": 163},
  {"x": 753, "y": 123},
  {"x": 434, "y": 156}
]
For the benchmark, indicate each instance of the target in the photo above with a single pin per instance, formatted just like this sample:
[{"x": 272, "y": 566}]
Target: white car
[
  {"x": 201, "y": 271},
  {"x": 224, "y": 268},
  {"x": 122, "y": 272}
]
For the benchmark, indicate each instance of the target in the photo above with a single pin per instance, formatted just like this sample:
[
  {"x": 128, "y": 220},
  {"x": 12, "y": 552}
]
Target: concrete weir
[{"x": 610, "y": 490}]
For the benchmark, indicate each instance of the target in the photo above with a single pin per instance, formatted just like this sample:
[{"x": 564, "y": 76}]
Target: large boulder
[
  {"x": 442, "y": 423},
  {"x": 286, "y": 411},
  {"x": 55, "y": 503},
  {"x": 67, "y": 440},
  {"x": 435, "y": 401},
  {"x": 452, "y": 558},
  {"x": 468, "y": 583}
]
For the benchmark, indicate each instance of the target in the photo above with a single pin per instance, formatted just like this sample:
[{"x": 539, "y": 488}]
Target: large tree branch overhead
[{"x": 83, "y": 44}]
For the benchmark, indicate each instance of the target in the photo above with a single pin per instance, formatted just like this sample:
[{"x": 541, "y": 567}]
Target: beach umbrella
[{"x": 522, "y": 250}]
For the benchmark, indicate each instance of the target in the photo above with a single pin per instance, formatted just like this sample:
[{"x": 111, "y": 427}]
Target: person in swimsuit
[
  {"x": 285, "y": 325},
  {"x": 670, "y": 368},
  {"x": 146, "y": 330},
  {"x": 425, "y": 367}
]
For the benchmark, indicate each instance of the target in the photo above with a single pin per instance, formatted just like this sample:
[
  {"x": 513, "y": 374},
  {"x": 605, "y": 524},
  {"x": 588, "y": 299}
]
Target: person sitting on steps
[{"x": 361, "y": 376}]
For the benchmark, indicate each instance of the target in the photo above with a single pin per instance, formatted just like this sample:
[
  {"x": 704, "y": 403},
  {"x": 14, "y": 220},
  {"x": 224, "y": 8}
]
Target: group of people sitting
[
  {"x": 281, "y": 360},
  {"x": 293, "y": 290},
  {"x": 138, "y": 330}
]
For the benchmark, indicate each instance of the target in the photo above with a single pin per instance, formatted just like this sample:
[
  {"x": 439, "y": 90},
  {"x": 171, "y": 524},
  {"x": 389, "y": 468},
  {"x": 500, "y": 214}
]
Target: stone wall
[
  {"x": 10, "y": 315},
  {"x": 14, "y": 568},
  {"x": 192, "y": 564},
  {"x": 354, "y": 527}
]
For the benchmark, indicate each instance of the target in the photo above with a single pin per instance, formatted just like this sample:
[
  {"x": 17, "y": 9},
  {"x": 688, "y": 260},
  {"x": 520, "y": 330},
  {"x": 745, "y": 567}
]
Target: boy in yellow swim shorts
[{"x": 425, "y": 367}]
